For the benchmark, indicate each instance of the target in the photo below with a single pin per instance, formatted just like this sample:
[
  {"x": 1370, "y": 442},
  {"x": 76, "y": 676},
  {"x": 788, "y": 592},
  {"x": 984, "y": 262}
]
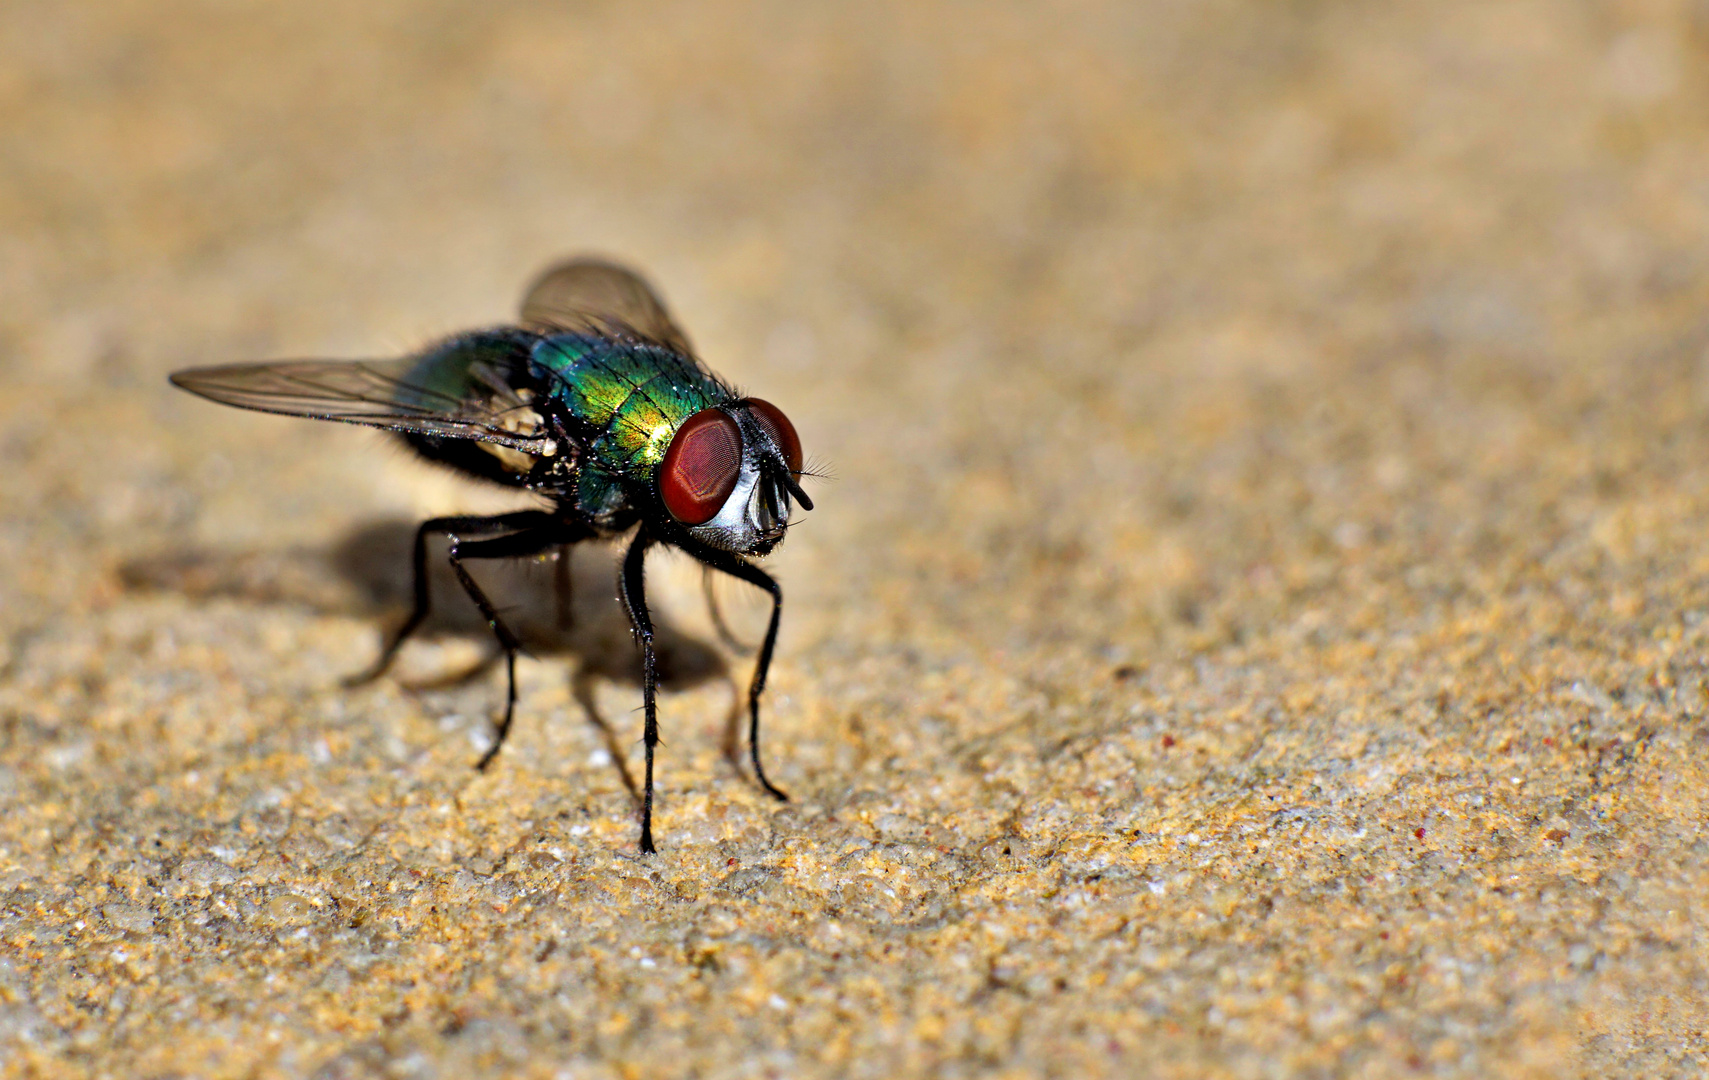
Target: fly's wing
[
  {"x": 591, "y": 295},
  {"x": 464, "y": 389}
]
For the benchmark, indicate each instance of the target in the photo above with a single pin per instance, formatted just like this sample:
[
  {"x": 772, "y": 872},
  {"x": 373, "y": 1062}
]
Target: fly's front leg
[
  {"x": 728, "y": 637},
  {"x": 632, "y": 585},
  {"x": 465, "y": 525},
  {"x": 738, "y": 567}
]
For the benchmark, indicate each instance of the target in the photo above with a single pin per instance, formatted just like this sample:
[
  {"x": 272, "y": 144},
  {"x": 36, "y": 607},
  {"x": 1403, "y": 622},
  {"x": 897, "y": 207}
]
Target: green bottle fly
[{"x": 596, "y": 403}]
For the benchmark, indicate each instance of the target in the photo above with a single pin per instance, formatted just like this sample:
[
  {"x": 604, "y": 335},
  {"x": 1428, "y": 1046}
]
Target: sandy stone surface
[{"x": 1256, "y": 628}]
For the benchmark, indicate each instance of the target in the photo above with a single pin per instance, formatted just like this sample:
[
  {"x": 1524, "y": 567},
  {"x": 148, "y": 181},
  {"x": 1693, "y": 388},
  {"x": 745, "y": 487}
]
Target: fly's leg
[
  {"x": 632, "y": 586},
  {"x": 466, "y": 526},
  {"x": 563, "y": 587},
  {"x": 516, "y": 545},
  {"x": 451, "y": 679},
  {"x": 582, "y": 688},
  {"x": 731, "y": 642},
  {"x": 738, "y": 567}
]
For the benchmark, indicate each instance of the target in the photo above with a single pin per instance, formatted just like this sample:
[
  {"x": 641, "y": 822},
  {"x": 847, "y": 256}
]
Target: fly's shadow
[{"x": 559, "y": 606}]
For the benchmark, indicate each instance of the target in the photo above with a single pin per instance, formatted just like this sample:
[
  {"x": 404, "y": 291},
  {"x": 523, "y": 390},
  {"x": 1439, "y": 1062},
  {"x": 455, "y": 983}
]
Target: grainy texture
[{"x": 1257, "y": 627}]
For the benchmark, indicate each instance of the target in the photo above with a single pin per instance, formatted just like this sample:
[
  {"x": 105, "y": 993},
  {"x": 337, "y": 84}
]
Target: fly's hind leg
[
  {"x": 517, "y": 545},
  {"x": 563, "y": 587},
  {"x": 527, "y": 520}
]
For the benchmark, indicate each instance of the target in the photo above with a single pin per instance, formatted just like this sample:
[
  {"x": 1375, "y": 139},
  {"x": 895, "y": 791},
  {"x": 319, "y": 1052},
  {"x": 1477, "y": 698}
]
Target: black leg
[
  {"x": 738, "y": 567},
  {"x": 513, "y": 546},
  {"x": 633, "y": 587},
  {"x": 563, "y": 587},
  {"x": 470, "y": 526},
  {"x": 581, "y": 687},
  {"x": 731, "y": 642},
  {"x": 447, "y": 680}
]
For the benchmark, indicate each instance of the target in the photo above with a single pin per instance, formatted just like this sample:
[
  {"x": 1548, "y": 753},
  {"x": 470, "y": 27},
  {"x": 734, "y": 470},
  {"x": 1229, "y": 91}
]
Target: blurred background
[
  {"x": 1318, "y": 383},
  {"x": 1110, "y": 314}
]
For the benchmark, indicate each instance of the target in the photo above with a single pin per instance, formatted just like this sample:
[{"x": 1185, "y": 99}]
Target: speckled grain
[{"x": 1256, "y": 629}]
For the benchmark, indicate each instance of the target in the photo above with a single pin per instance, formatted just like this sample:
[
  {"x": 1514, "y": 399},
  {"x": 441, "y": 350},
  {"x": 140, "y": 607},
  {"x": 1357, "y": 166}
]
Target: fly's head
[{"x": 732, "y": 474}]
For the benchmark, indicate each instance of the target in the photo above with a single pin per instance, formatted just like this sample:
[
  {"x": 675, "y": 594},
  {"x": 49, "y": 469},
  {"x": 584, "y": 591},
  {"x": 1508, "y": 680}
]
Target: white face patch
[
  {"x": 734, "y": 515},
  {"x": 740, "y": 524}
]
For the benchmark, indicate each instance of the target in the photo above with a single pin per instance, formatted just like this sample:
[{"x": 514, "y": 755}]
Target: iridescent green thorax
[{"x": 636, "y": 395}]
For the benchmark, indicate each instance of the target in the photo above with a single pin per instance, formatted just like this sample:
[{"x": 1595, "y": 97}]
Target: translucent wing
[
  {"x": 463, "y": 389},
  {"x": 599, "y": 296}
]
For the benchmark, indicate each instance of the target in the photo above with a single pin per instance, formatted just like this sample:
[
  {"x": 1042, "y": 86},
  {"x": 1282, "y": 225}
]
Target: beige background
[{"x": 1256, "y": 628}]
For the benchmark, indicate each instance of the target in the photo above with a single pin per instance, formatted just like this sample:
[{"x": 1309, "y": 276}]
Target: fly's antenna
[{"x": 819, "y": 469}]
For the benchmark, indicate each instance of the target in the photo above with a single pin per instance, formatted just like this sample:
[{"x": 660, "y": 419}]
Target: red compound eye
[
  {"x": 701, "y": 467},
  {"x": 781, "y": 431}
]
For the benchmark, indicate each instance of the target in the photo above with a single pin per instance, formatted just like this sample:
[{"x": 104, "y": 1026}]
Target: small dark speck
[
  {"x": 1168, "y": 741},
  {"x": 1124, "y": 673}
]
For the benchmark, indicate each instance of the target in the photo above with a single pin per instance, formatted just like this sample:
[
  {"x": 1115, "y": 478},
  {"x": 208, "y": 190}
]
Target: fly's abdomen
[
  {"x": 481, "y": 373},
  {"x": 483, "y": 367}
]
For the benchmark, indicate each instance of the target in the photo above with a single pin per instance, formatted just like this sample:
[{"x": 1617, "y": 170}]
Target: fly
[{"x": 596, "y": 403}]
